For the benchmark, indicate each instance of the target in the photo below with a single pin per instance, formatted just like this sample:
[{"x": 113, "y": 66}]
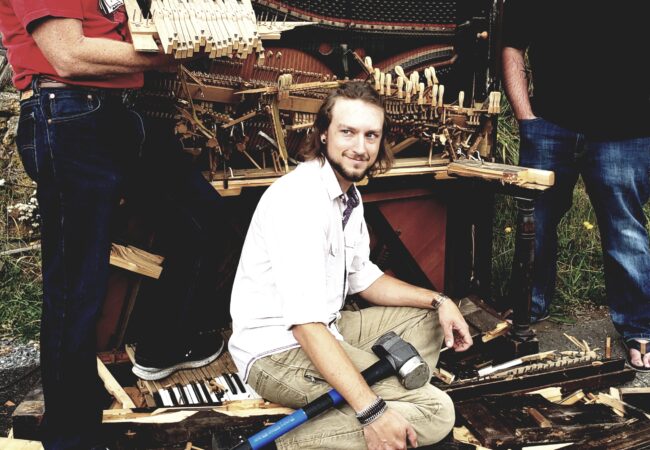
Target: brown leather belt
[{"x": 51, "y": 84}]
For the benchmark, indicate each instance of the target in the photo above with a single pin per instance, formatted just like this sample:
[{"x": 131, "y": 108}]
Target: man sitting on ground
[{"x": 306, "y": 249}]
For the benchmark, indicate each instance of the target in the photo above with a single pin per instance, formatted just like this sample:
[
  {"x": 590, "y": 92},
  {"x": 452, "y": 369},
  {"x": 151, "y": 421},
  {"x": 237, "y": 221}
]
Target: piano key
[
  {"x": 239, "y": 383},
  {"x": 164, "y": 397},
  {"x": 158, "y": 399},
  {"x": 195, "y": 395},
  {"x": 176, "y": 398},
  {"x": 199, "y": 389},
  {"x": 227, "y": 395},
  {"x": 180, "y": 395},
  {"x": 231, "y": 384},
  {"x": 211, "y": 393},
  {"x": 185, "y": 394},
  {"x": 188, "y": 394}
]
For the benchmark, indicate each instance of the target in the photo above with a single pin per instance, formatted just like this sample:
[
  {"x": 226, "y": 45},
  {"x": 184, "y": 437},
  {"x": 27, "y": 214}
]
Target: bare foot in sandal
[{"x": 638, "y": 353}]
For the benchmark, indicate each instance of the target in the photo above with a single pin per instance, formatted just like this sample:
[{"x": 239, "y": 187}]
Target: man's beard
[{"x": 346, "y": 174}]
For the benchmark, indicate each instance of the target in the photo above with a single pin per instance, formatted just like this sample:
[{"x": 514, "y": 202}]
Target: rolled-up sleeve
[{"x": 362, "y": 272}]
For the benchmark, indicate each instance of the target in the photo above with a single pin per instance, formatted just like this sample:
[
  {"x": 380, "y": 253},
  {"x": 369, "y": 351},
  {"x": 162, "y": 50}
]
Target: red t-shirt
[{"x": 27, "y": 59}]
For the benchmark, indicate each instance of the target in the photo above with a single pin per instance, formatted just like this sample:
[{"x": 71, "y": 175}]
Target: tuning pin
[
  {"x": 400, "y": 72},
  {"x": 434, "y": 78},
  {"x": 388, "y": 80},
  {"x": 400, "y": 85}
]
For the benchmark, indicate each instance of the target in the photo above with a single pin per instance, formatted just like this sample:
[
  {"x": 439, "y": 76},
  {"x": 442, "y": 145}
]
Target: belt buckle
[{"x": 26, "y": 94}]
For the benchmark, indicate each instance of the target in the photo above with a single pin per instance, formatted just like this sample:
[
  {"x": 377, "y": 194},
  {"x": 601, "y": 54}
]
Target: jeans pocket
[
  {"x": 25, "y": 142},
  {"x": 67, "y": 105}
]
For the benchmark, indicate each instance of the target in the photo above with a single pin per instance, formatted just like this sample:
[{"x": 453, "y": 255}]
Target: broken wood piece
[
  {"x": 608, "y": 347},
  {"x": 136, "y": 260},
  {"x": 520, "y": 176},
  {"x": 113, "y": 387},
  {"x": 501, "y": 329},
  {"x": 552, "y": 394},
  {"x": 7, "y": 443},
  {"x": 539, "y": 419},
  {"x": 573, "y": 398},
  {"x": 443, "y": 375},
  {"x": 619, "y": 406},
  {"x": 463, "y": 435}
]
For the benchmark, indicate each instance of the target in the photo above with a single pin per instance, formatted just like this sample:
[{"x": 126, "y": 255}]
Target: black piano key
[
  {"x": 183, "y": 396},
  {"x": 204, "y": 391},
  {"x": 158, "y": 399},
  {"x": 231, "y": 385},
  {"x": 239, "y": 382},
  {"x": 176, "y": 400},
  {"x": 196, "y": 397}
]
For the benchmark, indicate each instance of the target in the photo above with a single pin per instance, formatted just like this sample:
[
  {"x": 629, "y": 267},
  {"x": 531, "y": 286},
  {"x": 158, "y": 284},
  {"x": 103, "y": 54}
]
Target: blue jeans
[
  {"x": 616, "y": 174},
  {"x": 76, "y": 144}
]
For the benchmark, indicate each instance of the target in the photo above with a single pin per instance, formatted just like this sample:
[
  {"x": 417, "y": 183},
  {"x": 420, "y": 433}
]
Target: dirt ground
[{"x": 592, "y": 326}]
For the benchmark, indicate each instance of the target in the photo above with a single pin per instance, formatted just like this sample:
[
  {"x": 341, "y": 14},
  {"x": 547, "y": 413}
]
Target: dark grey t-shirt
[{"x": 589, "y": 60}]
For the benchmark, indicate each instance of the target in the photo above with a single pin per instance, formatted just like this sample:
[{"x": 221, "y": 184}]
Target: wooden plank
[
  {"x": 136, "y": 260},
  {"x": 483, "y": 424},
  {"x": 19, "y": 444},
  {"x": 113, "y": 387}
]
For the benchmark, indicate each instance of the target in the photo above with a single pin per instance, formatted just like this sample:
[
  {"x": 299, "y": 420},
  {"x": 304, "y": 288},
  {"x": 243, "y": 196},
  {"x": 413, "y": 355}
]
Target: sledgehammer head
[{"x": 412, "y": 371}]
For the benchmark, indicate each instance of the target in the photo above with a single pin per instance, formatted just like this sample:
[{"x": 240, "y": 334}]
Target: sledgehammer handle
[{"x": 378, "y": 371}]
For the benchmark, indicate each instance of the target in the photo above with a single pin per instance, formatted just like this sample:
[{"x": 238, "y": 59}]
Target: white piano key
[{"x": 165, "y": 397}]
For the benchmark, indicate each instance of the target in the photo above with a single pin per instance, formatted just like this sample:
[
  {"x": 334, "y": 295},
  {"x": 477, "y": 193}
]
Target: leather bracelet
[
  {"x": 372, "y": 412},
  {"x": 367, "y": 413},
  {"x": 437, "y": 300},
  {"x": 370, "y": 419}
]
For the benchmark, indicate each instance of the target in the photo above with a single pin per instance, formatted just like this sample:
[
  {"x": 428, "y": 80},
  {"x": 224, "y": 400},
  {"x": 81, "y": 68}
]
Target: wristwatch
[{"x": 437, "y": 300}]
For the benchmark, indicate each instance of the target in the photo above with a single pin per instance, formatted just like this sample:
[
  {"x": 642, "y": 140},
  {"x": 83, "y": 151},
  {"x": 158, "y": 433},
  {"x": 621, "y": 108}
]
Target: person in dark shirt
[{"x": 589, "y": 116}]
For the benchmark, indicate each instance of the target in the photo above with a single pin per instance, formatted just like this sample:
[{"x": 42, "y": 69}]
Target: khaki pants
[{"x": 291, "y": 379}]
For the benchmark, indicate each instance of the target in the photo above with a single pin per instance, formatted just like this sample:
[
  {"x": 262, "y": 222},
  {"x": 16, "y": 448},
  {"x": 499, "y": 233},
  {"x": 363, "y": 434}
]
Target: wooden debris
[
  {"x": 552, "y": 394},
  {"x": 572, "y": 398},
  {"x": 113, "y": 387},
  {"x": 608, "y": 347},
  {"x": 443, "y": 375},
  {"x": 136, "y": 260},
  {"x": 501, "y": 329},
  {"x": 539, "y": 419},
  {"x": 520, "y": 176},
  {"x": 19, "y": 444}
]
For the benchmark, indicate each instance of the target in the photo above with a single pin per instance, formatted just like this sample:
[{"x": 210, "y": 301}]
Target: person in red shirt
[{"x": 74, "y": 62}]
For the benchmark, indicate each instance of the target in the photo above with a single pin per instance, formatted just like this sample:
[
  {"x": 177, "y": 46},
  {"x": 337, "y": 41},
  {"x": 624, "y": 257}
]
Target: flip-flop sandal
[{"x": 636, "y": 345}]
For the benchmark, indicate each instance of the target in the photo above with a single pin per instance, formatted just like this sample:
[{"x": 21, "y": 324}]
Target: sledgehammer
[{"x": 396, "y": 357}]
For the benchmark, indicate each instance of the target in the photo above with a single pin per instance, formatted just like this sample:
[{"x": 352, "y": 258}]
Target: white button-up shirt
[{"x": 297, "y": 264}]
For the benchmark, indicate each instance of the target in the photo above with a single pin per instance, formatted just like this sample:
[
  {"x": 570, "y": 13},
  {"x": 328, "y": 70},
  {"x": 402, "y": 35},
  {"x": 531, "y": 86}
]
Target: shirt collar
[{"x": 331, "y": 182}]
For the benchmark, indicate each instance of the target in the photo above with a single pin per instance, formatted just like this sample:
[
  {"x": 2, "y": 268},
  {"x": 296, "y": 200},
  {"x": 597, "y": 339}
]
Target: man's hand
[
  {"x": 454, "y": 326},
  {"x": 389, "y": 432}
]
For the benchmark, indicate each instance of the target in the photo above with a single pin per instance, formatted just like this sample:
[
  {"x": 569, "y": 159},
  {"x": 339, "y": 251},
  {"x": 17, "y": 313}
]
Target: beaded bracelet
[{"x": 372, "y": 412}]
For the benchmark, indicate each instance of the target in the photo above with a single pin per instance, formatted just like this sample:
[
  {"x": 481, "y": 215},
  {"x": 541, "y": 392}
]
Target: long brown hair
[{"x": 353, "y": 90}]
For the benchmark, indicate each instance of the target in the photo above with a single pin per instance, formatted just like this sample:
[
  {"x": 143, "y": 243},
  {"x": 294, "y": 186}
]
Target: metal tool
[{"x": 396, "y": 357}]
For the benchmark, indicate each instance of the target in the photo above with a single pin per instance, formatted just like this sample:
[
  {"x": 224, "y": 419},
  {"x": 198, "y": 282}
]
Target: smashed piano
[{"x": 244, "y": 108}]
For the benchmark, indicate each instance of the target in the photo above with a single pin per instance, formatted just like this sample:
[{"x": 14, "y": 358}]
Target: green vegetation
[{"x": 20, "y": 274}]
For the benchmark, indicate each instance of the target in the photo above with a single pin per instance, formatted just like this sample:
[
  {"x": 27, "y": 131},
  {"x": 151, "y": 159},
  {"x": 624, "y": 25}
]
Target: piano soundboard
[{"x": 216, "y": 384}]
